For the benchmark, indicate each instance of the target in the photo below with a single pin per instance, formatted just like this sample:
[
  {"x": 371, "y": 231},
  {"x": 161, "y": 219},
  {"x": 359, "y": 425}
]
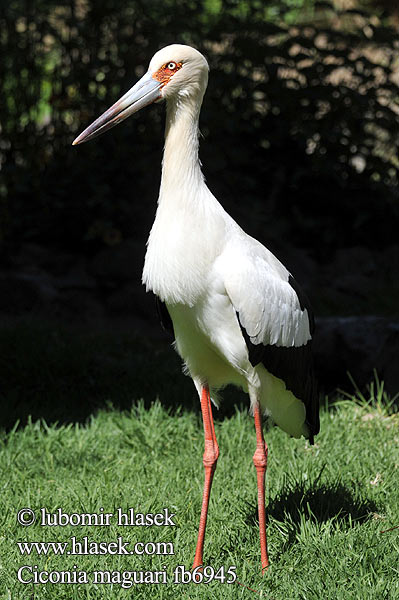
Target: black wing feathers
[
  {"x": 164, "y": 315},
  {"x": 294, "y": 365}
]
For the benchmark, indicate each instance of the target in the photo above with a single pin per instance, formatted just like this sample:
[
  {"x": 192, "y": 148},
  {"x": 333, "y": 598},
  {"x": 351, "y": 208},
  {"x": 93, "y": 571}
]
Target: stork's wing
[
  {"x": 164, "y": 315},
  {"x": 276, "y": 321}
]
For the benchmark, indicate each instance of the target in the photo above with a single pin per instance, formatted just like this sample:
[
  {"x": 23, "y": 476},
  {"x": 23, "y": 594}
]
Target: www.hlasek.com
[{"x": 86, "y": 546}]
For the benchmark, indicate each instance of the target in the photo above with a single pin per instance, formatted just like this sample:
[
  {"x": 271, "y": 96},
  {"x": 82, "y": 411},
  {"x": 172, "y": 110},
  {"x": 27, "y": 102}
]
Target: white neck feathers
[
  {"x": 189, "y": 225},
  {"x": 181, "y": 168}
]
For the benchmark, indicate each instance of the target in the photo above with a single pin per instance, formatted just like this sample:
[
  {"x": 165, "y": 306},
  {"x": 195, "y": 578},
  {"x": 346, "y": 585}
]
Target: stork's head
[{"x": 176, "y": 71}]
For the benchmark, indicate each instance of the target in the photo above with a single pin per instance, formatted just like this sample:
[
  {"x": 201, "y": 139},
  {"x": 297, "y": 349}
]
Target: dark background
[{"x": 300, "y": 135}]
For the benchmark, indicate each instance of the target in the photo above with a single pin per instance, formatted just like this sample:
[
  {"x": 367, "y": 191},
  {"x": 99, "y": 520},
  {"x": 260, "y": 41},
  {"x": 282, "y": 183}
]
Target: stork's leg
[
  {"x": 210, "y": 458},
  {"x": 260, "y": 462}
]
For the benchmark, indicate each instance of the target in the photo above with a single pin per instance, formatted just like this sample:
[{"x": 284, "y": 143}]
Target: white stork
[{"x": 237, "y": 314}]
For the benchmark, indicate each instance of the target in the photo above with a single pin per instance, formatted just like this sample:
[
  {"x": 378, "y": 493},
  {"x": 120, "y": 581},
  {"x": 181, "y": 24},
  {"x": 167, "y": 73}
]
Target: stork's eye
[{"x": 166, "y": 72}]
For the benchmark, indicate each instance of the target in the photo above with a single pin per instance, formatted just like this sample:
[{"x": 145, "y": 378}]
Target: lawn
[{"x": 331, "y": 507}]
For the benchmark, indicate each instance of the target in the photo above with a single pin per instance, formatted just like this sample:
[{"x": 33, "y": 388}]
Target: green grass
[{"x": 327, "y": 505}]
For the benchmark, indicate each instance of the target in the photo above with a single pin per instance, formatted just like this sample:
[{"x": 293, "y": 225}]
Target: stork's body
[{"x": 237, "y": 315}]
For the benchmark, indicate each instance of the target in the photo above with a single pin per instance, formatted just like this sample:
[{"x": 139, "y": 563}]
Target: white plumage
[{"x": 238, "y": 316}]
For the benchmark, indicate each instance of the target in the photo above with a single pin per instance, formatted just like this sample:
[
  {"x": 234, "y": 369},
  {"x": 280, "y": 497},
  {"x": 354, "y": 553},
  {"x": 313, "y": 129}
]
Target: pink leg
[
  {"x": 210, "y": 458},
  {"x": 260, "y": 462}
]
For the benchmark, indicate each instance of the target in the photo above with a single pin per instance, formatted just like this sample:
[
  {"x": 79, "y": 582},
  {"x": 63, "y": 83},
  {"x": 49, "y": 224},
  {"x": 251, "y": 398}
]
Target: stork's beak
[{"x": 144, "y": 92}]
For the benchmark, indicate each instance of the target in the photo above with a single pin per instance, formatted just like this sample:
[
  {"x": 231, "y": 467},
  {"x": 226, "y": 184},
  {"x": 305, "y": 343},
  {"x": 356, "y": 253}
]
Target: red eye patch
[{"x": 167, "y": 71}]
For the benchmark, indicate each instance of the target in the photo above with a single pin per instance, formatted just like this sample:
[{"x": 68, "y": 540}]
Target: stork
[{"x": 237, "y": 314}]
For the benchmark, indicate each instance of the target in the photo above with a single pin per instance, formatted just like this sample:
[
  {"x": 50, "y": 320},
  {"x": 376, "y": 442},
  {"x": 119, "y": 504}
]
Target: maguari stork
[{"x": 237, "y": 314}]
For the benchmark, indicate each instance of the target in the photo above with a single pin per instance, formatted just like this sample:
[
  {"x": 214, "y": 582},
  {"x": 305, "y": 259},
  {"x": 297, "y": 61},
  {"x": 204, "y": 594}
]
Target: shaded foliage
[{"x": 299, "y": 120}]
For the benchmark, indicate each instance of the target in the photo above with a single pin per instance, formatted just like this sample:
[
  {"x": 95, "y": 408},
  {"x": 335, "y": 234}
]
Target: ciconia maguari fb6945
[{"x": 237, "y": 314}]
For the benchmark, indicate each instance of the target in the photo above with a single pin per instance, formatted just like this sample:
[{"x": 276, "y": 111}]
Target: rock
[
  {"x": 387, "y": 362},
  {"x": 358, "y": 281},
  {"x": 107, "y": 289},
  {"x": 25, "y": 292},
  {"x": 76, "y": 278},
  {"x": 18, "y": 295},
  {"x": 390, "y": 264},
  {"x": 355, "y": 261},
  {"x": 77, "y": 305},
  {"x": 123, "y": 262},
  {"x": 357, "y": 345},
  {"x": 132, "y": 299},
  {"x": 28, "y": 255}
]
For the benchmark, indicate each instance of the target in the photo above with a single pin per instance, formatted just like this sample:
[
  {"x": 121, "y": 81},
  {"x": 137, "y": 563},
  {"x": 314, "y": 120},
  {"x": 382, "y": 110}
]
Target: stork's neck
[
  {"x": 189, "y": 227},
  {"x": 181, "y": 168}
]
